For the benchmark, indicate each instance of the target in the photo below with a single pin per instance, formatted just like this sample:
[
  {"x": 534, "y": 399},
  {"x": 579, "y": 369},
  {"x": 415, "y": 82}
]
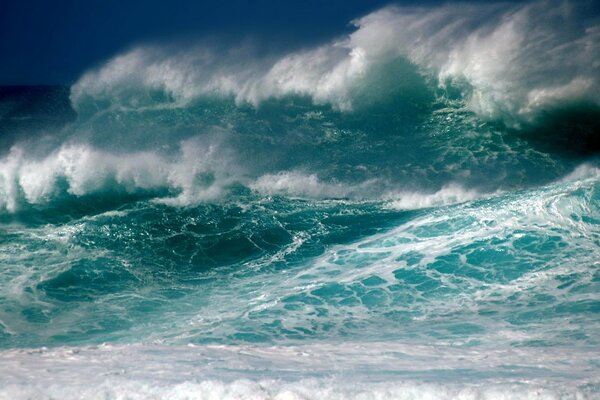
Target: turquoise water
[
  {"x": 519, "y": 268},
  {"x": 410, "y": 233}
]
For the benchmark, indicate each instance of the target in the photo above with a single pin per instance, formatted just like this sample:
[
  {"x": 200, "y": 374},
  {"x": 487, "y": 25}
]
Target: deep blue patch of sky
[{"x": 54, "y": 42}]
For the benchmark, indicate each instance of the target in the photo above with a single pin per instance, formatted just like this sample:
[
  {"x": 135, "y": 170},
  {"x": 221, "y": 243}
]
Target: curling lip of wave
[{"x": 511, "y": 61}]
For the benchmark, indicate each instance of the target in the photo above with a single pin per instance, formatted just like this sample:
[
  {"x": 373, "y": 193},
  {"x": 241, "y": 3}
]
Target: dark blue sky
[
  {"x": 54, "y": 42},
  {"x": 48, "y": 42}
]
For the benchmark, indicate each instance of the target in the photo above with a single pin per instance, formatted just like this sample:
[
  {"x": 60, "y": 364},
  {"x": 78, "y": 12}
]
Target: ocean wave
[
  {"x": 411, "y": 210},
  {"x": 401, "y": 110},
  {"x": 294, "y": 183},
  {"x": 511, "y": 63},
  {"x": 483, "y": 263},
  {"x": 449, "y": 194},
  {"x": 510, "y": 269},
  {"x": 200, "y": 168},
  {"x": 200, "y": 171}
]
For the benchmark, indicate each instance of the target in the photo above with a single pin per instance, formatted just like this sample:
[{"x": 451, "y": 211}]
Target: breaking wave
[
  {"x": 508, "y": 62},
  {"x": 422, "y": 192}
]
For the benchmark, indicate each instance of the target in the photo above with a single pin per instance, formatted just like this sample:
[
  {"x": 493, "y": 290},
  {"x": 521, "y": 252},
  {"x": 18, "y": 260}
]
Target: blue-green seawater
[
  {"x": 520, "y": 268},
  {"x": 410, "y": 210},
  {"x": 407, "y": 221}
]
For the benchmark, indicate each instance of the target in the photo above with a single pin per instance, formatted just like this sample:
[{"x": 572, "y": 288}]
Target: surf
[{"x": 411, "y": 208}]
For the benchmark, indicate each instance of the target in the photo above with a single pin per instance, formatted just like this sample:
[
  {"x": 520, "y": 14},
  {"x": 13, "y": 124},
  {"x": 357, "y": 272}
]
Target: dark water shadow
[{"x": 571, "y": 131}]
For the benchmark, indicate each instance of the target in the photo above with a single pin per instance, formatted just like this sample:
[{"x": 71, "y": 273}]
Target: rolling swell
[{"x": 474, "y": 273}]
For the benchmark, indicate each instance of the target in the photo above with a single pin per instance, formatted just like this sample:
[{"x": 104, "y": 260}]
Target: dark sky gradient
[{"x": 53, "y": 42}]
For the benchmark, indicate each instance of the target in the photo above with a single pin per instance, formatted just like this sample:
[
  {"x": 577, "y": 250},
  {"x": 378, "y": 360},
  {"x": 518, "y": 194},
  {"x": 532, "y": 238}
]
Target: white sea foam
[
  {"x": 512, "y": 60},
  {"x": 449, "y": 194},
  {"x": 267, "y": 389},
  {"x": 288, "y": 372},
  {"x": 296, "y": 183},
  {"x": 322, "y": 73},
  {"x": 203, "y": 169},
  {"x": 583, "y": 172}
]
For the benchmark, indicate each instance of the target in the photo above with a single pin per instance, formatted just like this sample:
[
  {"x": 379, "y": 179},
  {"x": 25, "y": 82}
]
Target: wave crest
[
  {"x": 196, "y": 173},
  {"x": 511, "y": 62}
]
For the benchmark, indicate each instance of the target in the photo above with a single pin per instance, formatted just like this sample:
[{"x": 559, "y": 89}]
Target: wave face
[{"x": 409, "y": 211}]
